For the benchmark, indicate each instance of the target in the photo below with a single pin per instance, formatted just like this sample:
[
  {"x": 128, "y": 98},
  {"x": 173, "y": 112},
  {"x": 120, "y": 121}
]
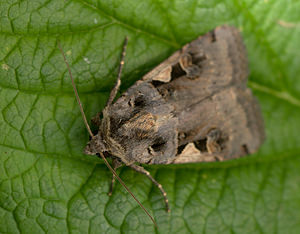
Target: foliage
[{"x": 48, "y": 185}]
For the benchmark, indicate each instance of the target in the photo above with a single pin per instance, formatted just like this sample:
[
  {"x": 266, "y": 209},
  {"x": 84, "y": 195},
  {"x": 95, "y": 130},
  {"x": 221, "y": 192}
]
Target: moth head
[{"x": 95, "y": 145}]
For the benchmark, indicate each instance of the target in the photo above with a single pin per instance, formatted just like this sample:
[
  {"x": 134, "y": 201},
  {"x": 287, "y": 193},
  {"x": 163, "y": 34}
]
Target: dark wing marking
[{"x": 206, "y": 83}]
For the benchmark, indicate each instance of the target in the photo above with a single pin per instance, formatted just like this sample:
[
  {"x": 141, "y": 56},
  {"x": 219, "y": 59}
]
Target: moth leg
[
  {"x": 115, "y": 89},
  {"x": 211, "y": 144},
  {"x": 147, "y": 173},
  {"x": 116, "y": 164}
]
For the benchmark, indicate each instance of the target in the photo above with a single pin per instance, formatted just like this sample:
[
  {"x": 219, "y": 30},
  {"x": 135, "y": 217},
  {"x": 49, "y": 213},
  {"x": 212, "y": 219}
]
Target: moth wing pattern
[
  {"x": 237, "y": 122},
  {"x": 193, "y": 107},
  {"x": 206, "y": 82}
]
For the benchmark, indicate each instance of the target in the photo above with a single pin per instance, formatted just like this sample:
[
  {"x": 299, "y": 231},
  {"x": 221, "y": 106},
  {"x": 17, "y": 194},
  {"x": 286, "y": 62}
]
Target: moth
[{"x": 193, "y": 107}]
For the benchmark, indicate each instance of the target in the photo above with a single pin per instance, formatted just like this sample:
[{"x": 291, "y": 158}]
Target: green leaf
[{"x": 48, "y": 185}]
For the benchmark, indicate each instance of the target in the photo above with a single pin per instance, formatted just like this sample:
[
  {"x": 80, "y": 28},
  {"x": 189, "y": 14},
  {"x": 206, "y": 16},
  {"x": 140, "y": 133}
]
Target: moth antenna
[
  {"x": 92, "y": 135},
  {"x": 75, "y": 91}
]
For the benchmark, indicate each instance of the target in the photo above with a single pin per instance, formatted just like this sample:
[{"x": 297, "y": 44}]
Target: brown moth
[{"x": 193, "y": 107}]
